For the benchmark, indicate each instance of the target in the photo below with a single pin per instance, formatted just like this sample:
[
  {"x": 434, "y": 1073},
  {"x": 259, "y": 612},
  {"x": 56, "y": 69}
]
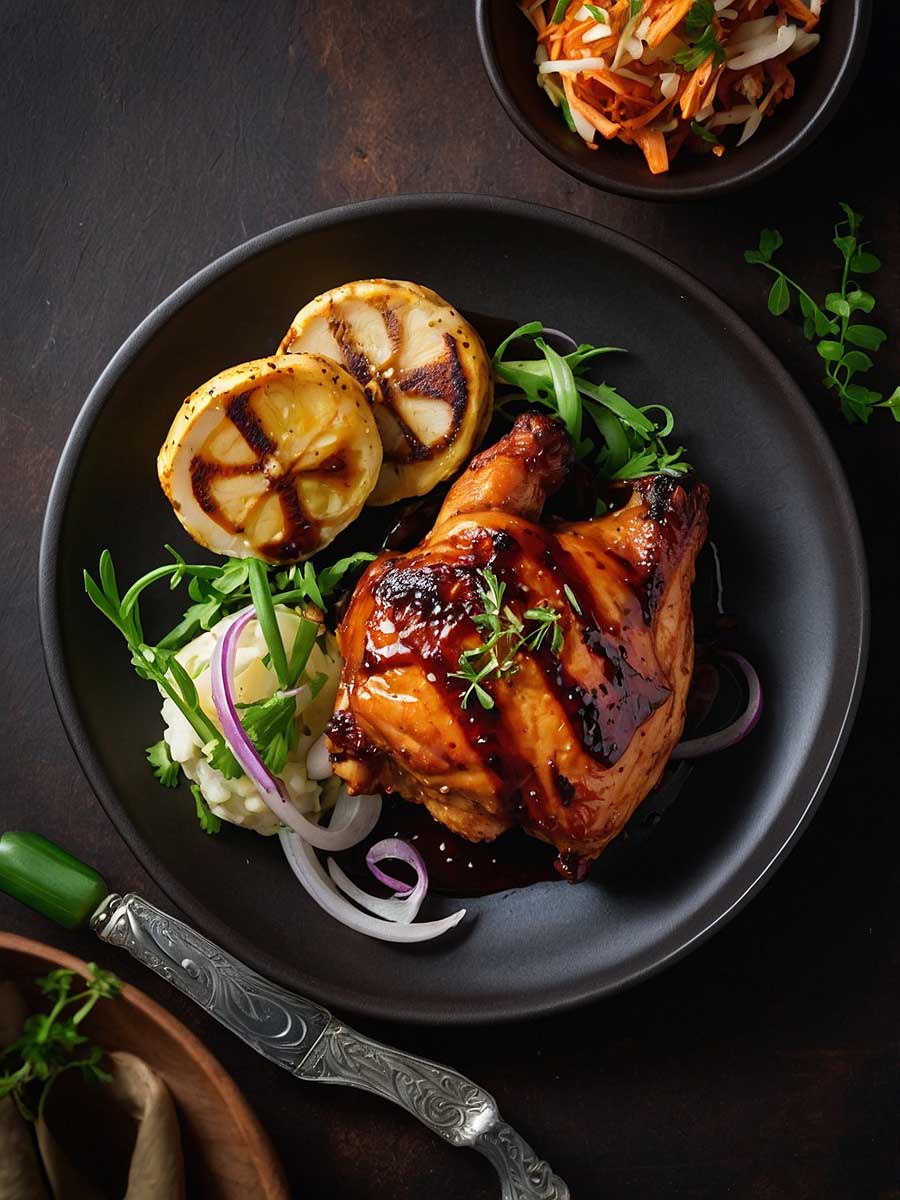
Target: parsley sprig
[
  {"x": 699, "y": 25},
  {"x": 504, "y": 636},
  {"x": 216, "y": 592},
  {"x": 841, "y": 340},
  {"x": 51, "y": 1042},
  {"x": 625, "y": 443}
]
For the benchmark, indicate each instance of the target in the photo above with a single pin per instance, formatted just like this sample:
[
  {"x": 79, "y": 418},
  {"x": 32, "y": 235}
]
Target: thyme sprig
[{"x": 504, "y": 636}]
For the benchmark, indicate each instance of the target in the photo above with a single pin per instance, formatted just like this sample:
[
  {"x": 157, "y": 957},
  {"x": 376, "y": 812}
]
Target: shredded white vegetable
[
  {"x": 583, "y": 127},
  {"x": 572, "y": 65},
  {"x": 668, "y": 84},
  {"x": 753, "y": 53},
  {"x": 732, "y": 116}
]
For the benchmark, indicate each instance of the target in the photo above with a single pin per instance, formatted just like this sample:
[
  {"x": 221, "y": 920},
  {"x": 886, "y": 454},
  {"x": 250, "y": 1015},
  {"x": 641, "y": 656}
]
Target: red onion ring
[
  {"x": 307, "y": 868},
  {"x": 403, "y": 910},
  {"x": 723, "y": 739},
  {"x": 361, "y": 813},
  {"x": 402, "y": 852}
]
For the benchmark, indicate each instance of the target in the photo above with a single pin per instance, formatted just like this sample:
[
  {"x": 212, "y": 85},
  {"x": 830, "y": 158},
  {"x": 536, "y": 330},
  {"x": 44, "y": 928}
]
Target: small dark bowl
[{"x": 824, "y": 76}]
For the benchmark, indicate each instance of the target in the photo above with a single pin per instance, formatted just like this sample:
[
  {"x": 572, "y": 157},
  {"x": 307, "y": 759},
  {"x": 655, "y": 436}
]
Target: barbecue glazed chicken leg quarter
[{"x": 577, "y": 734}]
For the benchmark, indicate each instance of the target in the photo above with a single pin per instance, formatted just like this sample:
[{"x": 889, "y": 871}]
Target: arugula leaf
[
  {"x": 209, "y": 823},
  {"x": 835, "y": 332},
  {"x": 164, "y": 766},
  {"x": 51, "y": 1043},
  {"x": 631, "y": 442},
  {"x": 563, "y": 382}
]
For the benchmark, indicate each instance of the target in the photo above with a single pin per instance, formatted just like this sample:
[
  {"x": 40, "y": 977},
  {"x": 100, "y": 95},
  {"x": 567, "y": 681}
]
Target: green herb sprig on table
[
  {"x": 217, "y": 592},
  {"x": 699, "y": 25},
  {"x": 505, "y": 634},
  {"x": 51, "y": 1042},
  {"x": 625, "y": 442},
  {"x": 842, "y": 341}
]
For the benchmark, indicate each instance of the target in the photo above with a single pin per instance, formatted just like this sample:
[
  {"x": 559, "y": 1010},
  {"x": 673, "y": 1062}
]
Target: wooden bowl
[{"x": 227, "y": 1154}]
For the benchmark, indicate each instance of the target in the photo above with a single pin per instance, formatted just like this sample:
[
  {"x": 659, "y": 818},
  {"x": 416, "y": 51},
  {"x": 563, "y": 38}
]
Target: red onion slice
[
  {"x": 403, "y": 910},
  {"x": 722, "y": 739},
  {"x": 402, "y": 852},
  {"x": 303, "y": 862},
  {"x": 354, "y": 817}
]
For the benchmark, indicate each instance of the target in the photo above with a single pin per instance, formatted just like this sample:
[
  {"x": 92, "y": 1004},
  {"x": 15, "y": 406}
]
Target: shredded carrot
[
  {"x": 691, "y": 96},
  {"x": 653, "y": 144},
  {"x": 658, "y": 90},
  {"x": 604, "y": 127},
  {"x": 799, "y": 11},
  {"x": 670, "y": 15},
  {"x": 619, "y": 84},
  {"x": 645, "y": 118}
]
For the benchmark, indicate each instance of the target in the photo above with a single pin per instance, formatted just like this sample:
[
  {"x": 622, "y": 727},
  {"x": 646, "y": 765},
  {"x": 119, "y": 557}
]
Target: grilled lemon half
[
  {"x": 424, "y": 368},
  {"x": 272, "y": 458}
]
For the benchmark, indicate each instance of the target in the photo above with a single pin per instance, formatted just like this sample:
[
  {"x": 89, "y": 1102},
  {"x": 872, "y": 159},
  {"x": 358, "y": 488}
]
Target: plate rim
[{"x": 696, "y": 929}]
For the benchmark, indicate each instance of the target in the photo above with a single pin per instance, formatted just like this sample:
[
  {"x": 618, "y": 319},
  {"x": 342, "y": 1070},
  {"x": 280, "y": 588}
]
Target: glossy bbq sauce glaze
[{"x": 432, "y": 604}]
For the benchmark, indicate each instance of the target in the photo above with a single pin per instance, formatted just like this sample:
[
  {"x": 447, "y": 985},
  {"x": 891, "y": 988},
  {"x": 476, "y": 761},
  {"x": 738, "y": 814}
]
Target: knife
[{"x": 289, "y": 1030}]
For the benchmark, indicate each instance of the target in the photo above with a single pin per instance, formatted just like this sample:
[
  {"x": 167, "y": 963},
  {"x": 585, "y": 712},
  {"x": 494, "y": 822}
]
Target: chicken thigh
[{"x": 577, "y": 733}]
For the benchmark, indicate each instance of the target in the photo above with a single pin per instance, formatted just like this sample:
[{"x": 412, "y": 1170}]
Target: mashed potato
[{"x": 237, "y": 800}]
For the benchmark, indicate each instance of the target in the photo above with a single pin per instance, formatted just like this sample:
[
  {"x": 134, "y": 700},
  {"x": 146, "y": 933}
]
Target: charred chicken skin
[{"x": 577, "y": 736}]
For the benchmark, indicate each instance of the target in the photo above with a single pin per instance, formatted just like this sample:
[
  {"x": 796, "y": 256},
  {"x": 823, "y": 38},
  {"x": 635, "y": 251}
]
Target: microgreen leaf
[
  {"x": 856, "y": 360},
  {"x": 700, "y": 28},
  {"x": 705, "y": 135},
  {"x": 272, "y": 727},
  {"x": 51, "y": 1043},
  {"x": 570, "y": 596},
  {"x": 770, "y": 240},
  {"x": 779, "y": 297},
  {"x": 864, "y": 263},
  {"x": 836, "y": 303},
  {"x": 835, "y": 332},
  {"x": 860, "y": 301},
  {"x": 164, "y": 766},
  {"x": 893, "y": 403},
  {"x": 209, "y": 822}
]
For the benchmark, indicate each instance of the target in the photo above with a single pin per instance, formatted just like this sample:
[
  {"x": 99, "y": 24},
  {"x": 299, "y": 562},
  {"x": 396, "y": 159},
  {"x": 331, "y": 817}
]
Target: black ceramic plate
[{"x": 781, "y": 515}]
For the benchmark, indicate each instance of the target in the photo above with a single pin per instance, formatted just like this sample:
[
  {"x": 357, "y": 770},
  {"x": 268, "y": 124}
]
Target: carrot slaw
[{"x": 658, "y": 74}]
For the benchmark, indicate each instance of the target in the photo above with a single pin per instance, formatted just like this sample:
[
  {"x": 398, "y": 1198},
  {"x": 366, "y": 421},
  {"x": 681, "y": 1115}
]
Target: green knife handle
[{"x": 49, "y": 880}]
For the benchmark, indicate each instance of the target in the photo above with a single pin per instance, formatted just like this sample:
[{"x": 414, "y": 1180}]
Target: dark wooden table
[{"x": 141, "y": 141}]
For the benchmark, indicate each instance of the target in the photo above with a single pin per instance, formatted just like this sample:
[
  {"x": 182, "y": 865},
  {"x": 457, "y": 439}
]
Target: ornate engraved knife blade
[{"x": 307, "y": 1040}]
